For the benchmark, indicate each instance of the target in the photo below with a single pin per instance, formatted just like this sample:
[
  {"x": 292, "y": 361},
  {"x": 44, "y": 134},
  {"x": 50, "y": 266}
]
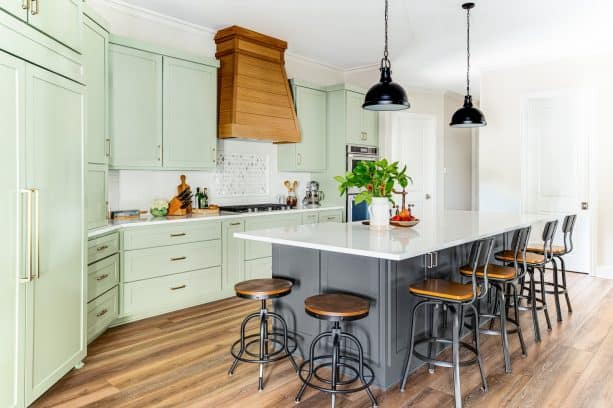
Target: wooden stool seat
[
  {"x": 531, "y": 258},
  {"x": 496, "y": 272},
  {"x": 337, "y": 306},
  {"x": 556, "y": 249},
  {"x": 263, "y": 288},
  {"x": 443, "y": 289}
]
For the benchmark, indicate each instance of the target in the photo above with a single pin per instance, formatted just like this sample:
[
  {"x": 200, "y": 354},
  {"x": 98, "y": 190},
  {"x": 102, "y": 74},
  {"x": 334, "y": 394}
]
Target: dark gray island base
[{"x": 384, "y": 333}]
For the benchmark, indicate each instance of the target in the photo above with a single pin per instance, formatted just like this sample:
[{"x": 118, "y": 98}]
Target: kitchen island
[{"x": 378, "y": 265}]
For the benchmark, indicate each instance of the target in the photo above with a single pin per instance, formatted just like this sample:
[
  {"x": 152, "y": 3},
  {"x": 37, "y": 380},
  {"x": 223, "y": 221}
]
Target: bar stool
[
  {"x": 337, "y": 307},
  {"x": 504, "y": 280},
  {"x": 568, "y": 226},
  {"x": 534, "y": 261},
  {"x": 452, "y": 296},
  {"x": 263, "y": 289}
]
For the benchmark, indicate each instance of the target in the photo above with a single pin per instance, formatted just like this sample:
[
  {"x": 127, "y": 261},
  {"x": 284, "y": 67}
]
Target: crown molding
[
  {"x": 362, "y": 68},
  {"x": 302, "y": 58}
]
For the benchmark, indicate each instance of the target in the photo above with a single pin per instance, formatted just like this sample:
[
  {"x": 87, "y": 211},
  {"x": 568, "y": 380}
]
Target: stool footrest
[
  {"x": 368, "y": 374},
  {"x": 272, "y": 357},
  {"x": 443, "y": 363}
]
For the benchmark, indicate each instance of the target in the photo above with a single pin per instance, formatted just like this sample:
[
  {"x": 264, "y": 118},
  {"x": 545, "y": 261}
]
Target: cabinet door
[
  {"x": 311, "y": 108},
  {"x": 59, "y": 19},
  {"x": 233, "y": 270},
  {"x": 18, "y": 8},
  {"x": 190, "y": 115},
  {"x": 96, "y": 195},
  {"x": 55, "y": 327},
  {"x": 370, "y": 128},
  {"x": 258, "y": 268},
  {"x": 12, "y": 306},
  {"x": 95, "y": 62},
  {"x": 136, "y": 108},
  {"x": 354, "y": 117}
]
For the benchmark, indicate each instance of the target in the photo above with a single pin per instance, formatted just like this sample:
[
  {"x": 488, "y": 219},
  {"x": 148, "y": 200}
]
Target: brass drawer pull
[
  {"x": 102, "y": 312},
  {"x": 178, "y": 258},
  {"x": 102, "y": 248},
  {"x": 179, "y": 287},
  {"x": 102, "y": 277},
  {"x": 24, "y": 4},
  {"x": 235, "y": 224},
  {"x": 180, "y": 234},
  {"x": 34, "y": 7}
]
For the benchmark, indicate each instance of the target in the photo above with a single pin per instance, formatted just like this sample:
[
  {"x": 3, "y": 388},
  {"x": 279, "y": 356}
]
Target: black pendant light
[
  {"x": 386, "y": 95},
  {"x": 468, "y": 116}
]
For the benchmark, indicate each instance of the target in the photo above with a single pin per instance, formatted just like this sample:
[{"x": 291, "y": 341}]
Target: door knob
[{"x": 585, "y": 205}]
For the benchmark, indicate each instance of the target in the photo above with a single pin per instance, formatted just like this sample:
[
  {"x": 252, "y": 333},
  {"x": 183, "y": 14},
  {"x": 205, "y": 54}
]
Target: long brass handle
[
  {"x": 108, "y": 147},
  {"x": 179, "y": 234},
  {"x": 28, "y": 262},
  {"x": 178, "y": 258},
  {"x": 159, "y": 152},
  {"x": 102, "y": 248},
  {"x": 179, "y": 287},
  {"x": 102, "y": 277},
  {"x": 34, "y": 7},
  {"x": 25, "y": 4},
  {"x": 36, "y": 200},
  {"x": 235, "y": 224},
  {"x": 102, "y": 312}
]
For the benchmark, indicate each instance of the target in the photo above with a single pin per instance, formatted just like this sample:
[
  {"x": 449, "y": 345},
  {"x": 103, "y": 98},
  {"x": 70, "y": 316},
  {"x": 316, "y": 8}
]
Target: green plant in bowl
[{"x": 159, "y": 208}]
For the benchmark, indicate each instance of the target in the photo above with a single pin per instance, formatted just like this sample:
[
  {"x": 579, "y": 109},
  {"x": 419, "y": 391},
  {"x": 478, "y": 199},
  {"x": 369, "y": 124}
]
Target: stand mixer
[{"x": 313, "y": 195}]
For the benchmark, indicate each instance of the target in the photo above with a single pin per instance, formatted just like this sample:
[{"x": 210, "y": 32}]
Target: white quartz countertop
[
  {"x": 448, "y": 229},
  {"x": 122, "y": 224}
]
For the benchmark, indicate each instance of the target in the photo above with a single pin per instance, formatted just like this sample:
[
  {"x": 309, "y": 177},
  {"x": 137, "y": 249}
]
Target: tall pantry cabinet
[{"x": 42, "y": 234}]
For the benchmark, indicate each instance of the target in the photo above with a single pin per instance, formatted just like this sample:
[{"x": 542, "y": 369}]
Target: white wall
[
  {"x": 458, "y": 159},
  {"x": 500, "y": 184}
]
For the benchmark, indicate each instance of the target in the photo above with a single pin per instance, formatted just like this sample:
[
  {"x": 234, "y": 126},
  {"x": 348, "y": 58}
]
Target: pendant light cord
[
  {"x": 385, "y": 62},
  {"x": 467, "y": 51}
]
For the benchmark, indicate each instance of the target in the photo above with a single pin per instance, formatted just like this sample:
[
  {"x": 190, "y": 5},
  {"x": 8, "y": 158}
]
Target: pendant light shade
[
  {"x": 386, "y": 95},
  {"x": 468, "y": 116}
]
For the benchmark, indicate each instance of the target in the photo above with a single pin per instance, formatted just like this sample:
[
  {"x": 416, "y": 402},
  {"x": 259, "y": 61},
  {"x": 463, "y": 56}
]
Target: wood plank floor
[{"x": 180, "y": 360}]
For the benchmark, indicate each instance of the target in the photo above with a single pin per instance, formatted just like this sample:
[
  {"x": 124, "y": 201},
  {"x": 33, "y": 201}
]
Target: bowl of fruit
[{"x": 404, "y": 218}]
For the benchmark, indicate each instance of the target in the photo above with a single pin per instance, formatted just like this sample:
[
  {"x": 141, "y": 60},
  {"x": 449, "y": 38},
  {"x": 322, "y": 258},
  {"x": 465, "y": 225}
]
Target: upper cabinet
[
  {"x": 136, "y": 108},
  {"x": 59, "y": 19},
  {"x": 310, "y": 153},
  {"x": 95, "y": 61},
  {"x": 163, "y": 108},
  {"x": 190, "y": 120},
  {"x": 359, "y": 126}
]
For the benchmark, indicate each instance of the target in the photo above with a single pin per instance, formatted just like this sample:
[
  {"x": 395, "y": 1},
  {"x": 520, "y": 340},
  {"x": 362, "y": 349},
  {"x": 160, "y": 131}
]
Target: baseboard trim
[{"x": 605, "y": 272}]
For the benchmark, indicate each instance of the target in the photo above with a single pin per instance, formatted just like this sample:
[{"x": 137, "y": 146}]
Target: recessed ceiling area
[{"x": 427, "y": 38}]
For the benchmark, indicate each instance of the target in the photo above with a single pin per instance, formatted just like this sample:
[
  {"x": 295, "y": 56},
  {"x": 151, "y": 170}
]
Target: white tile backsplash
[{"x": 246, "y": 173}]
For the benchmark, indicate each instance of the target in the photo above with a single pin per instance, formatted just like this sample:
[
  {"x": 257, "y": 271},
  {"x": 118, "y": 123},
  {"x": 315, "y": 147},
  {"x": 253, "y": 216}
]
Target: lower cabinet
[
  {"x": 258, "y": 268},
  {"x": 233, "y": 255},
  {"x": 330, "y": 216},
  {"x": 96, "y": 195},
  {"x": 101, "y": 312}
]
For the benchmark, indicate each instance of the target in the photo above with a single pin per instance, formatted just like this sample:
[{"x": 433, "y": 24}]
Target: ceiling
[{"x": 427, "y": 38}]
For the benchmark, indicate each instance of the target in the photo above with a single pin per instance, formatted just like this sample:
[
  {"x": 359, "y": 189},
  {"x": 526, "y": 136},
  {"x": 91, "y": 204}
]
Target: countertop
[
  {"x": 448, "y": 229},
  {"x": 143, "y": 221}
]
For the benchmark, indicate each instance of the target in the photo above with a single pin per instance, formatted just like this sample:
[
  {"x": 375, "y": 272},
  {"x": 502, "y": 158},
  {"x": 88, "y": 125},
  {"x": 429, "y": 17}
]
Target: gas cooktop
[{"x": 248, "y": 208}]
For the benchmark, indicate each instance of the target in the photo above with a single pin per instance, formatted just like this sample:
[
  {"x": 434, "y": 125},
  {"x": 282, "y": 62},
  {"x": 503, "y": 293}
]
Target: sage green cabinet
[
  {"x": 258, "y": 268},
  {"x": 330, "y": 216},
  {"x": 310, "y": 153},
  {"x": 18, "y": 8},
  {"x": 357, "y": 125},
  {"x": 54, "y": 165},
  {"x": 233, "y": 254},
  {"x": 310, "y": 218},
  {"x": 59, "y": 19},
  {"x": 190, "y": 115},
  {"x": 96, "y": 203},
  {"x": 136, "y": 108},
  {"x": 95, "y": 63},
  {"x": 101, "y": 312}
]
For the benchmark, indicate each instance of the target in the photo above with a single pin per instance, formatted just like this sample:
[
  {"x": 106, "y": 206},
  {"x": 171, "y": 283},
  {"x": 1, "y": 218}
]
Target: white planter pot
[{"x": 379, "y": 211}]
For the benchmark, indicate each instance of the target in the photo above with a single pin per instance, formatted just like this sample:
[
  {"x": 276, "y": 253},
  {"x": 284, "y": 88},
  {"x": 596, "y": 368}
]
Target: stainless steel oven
[{"x": 356, "y": 154}]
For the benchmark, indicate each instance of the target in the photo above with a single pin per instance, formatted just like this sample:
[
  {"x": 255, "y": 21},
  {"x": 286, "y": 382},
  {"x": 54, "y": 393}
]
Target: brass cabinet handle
[
  {"x": 102, "y": 277},
  {"x": 235, "y": 224},
  {"x": 102, "y": 248},
  {"x": 35, "y": 194},
  {"x": 179, "y": 234},
  {"x": 25, "y": 4},
  {"x": 178, "y": 258},
  {"x": 108, "y": 147},
  {"x": 28, "y": 263},
  {"x": 179, "y": 287},
  {"x": 34, "y": 7},
  {"x": 102, "y": 312}
]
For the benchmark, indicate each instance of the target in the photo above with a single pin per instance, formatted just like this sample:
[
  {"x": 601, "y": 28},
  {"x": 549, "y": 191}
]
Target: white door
[
  {"x": 556, "y": 167},
  {"x": 412, "y": 142}
]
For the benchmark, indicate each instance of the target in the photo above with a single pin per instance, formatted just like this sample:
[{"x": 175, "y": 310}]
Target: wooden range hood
[{"x": 255, "y": 101}]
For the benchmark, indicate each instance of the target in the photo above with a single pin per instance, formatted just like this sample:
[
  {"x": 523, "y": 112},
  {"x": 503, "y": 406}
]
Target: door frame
[{"x": 588, "y": 95}]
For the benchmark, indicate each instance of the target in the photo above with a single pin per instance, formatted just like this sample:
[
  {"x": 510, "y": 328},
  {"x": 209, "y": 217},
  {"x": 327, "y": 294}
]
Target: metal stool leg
[
  {"x": 563, "y": 268},
  {"x": 361, "y": 366},
  {"x": 285, "y": 342},
  {"x": 263, "y": 348},
  {"x": 556, "y": 290},
  {"x": 503, "y": 330},
  {"x": 242, "y": 349},
  {"x": 535, "y": 318},
  {"x": 434, "y": 334},
  {"x": 457, "y": 389},
  {"x": 311, "y": 364},
  {"x": 519, "y": 332},
  {"x": 407, "y": 363},
  {"x": 544, "y": 297},
  {"x": 478, "y": 346}
]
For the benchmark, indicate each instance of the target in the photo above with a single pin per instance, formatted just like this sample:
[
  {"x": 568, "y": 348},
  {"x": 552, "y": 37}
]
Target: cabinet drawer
[
  {"x": 101, "y": 312},
  {"x": 258, "y": 268},
  {"x": 154, "y": 262},
  {"x": 102, "y": 275},
  {"x": 100, "y": 248},
  {"x": 330, "y": 216},
  {"x": 159, "y": 295},
  {"x": 175, "y": 233},
  {"x": 309, "y": 218}
]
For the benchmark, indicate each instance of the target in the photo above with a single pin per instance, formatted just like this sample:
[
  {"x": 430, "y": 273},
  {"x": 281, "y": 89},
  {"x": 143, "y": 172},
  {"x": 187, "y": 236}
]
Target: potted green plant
[{"x": 376, "y": 179}]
